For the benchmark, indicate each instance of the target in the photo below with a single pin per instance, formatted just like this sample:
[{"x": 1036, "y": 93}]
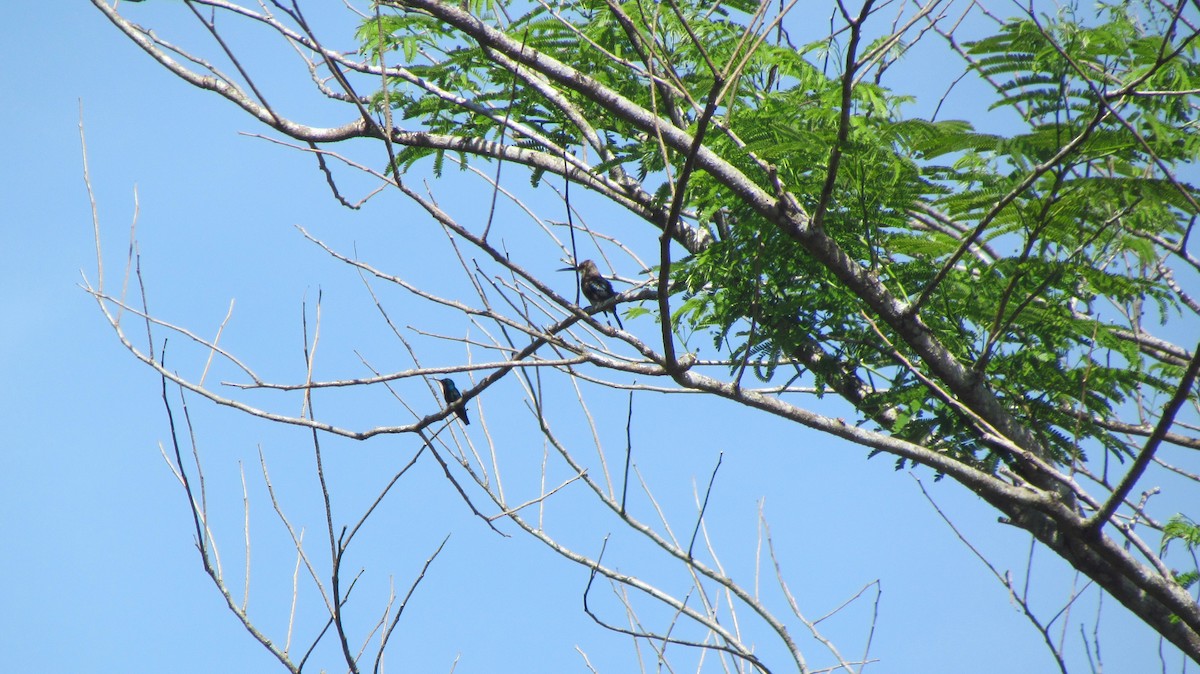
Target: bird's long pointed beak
[{"x": 567, "y": 269}]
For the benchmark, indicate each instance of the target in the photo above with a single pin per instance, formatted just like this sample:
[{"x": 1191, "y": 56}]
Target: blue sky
[{"x": 99, "y": 547}]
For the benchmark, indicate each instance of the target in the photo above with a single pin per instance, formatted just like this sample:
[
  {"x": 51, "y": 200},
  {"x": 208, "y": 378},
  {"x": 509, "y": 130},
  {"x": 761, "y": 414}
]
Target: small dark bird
[
  {"x": 451, "y": 394},
  {"x": 595, "y": 287}
]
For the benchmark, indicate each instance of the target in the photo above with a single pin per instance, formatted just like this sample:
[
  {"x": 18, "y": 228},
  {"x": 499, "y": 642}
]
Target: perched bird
[
  {"x": 451, "y": 394},
  {"x": 595, "y": 287}
]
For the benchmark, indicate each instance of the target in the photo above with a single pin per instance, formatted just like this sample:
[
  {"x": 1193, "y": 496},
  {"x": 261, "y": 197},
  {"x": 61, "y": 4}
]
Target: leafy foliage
[
  {"x": 1054, "y": 223},
  {"x": 1183, "y": 529},
  {"x": 1025, "y": 252}
]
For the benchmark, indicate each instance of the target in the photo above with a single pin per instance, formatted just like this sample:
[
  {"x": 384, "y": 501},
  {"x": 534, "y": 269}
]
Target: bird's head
[{"x": 587, "y": 268}]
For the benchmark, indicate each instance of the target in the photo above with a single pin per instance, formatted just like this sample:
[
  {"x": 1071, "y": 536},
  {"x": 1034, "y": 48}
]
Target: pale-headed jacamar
[{"x": 595, "y": 287}]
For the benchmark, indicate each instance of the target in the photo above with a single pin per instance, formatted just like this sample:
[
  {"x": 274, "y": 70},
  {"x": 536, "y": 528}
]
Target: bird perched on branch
[
  {"x": 595, "y": 287},
  {"x": 451, "y": 394}
]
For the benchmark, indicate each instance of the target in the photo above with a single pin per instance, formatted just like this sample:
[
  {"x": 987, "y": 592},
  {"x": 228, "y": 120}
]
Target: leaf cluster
[{"x": 1027, "y": 252}]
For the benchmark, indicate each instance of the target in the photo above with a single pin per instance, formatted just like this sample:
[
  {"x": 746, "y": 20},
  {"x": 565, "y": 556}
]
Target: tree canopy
[{"x": 1005, "y": 301}]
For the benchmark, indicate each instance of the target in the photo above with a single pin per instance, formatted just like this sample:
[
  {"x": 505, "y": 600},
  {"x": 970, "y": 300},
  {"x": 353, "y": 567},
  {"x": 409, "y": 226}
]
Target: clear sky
[{"x": 98, "y": 547}]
